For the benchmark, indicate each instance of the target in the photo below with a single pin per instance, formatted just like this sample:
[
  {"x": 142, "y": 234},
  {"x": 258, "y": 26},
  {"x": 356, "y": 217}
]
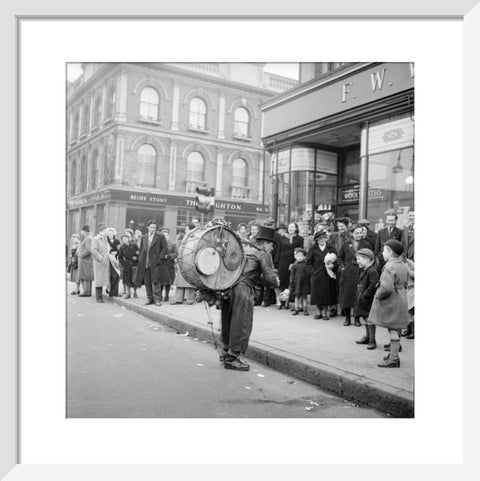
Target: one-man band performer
[{"x": 237, "y": 310}]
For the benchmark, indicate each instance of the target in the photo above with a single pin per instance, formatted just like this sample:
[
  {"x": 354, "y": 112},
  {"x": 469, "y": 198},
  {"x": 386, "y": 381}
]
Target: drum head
[
  {"x": 207, "y": 261},
  {"x": 233, "y": 257}
]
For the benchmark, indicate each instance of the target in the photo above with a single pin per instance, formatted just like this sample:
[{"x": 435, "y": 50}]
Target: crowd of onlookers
[{"x": 337, "y": 269}]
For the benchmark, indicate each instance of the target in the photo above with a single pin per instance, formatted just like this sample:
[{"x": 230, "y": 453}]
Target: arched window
[
  {"x": 195, "y": 166},
  {"x": 73, "y": 178},
  {"x": 76, "y": 120},
  {"x": 149, "y": 103},
  {"x": 83, "y": 174},
  {"x": 240, "y": 174},
  {"x": 147, "y": 165},
  {"x": 198, "y": 114},
  {"x": 242, "y": 120},
  {"x": 94, "y": 173},
  {"x": 111, "y": 99},
  {"x": 86, "y": 119},
  {"x": 97, "y": 112}
]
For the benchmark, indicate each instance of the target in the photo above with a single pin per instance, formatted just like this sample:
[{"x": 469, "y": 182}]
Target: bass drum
[{"x": 211, "y": 258}]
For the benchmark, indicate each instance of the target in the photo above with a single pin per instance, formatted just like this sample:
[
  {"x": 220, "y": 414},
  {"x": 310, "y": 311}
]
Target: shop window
[
  {"x": 241, "y": 123},
  {"x": 149, "y": 104},
  {"x": 83, "y": 174},
  {"x": 111, "y": 99},
  {"x": 351, "y": 167},
  {"x": 94, "y": 171},
  {"x": 390, "y": 185},
  {"x": 97, "y": 112},
  {"x": 197, "y": 114},
  {"x": 146, "y": 166}
]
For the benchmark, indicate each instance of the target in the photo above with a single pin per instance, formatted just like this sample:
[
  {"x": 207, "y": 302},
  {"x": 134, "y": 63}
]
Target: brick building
[{"x": 141, "y": 137}]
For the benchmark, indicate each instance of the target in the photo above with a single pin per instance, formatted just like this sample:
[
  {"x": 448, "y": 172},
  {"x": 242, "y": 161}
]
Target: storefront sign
[
  {"x": 151, "y": 199},
  {"x": 89, "y": 199},
  {"x": 353, "y": 194},
  {"x": 330, "y": 96}
]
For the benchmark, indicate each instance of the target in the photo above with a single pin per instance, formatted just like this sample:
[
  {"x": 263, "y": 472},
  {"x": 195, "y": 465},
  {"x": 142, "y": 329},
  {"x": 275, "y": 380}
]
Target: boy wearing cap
[
  {"x": 389, "y": 308},
  {"x": 366, "y": 287}
]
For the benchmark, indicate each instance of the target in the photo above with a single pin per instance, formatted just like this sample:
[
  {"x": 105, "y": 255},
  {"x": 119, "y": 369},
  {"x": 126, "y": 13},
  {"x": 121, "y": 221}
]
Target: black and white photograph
[{"x": 240, "y": 240}]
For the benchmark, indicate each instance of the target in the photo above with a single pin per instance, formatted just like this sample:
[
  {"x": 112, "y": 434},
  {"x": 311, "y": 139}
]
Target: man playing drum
[{"x": 237, "y": 310}]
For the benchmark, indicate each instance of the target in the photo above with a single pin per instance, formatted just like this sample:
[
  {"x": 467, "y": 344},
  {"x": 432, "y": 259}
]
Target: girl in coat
[
  {"x": 284, "y": 255},
  {"x": 323, "y": 287},
  {"x": 349, "y": 273},
  {"x": 128, "y": 259},
  {"x": 300, "y": 282},
  {"x": 367, "y": 285},
  {"x": 389, "y": 308}
]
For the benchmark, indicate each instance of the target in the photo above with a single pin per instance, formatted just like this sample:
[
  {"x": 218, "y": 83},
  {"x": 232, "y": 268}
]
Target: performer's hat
[{"x": 266, "y": 233}]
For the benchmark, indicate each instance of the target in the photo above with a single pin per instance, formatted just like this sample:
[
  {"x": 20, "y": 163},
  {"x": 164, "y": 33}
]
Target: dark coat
[
  {"x": 172, "y": 255},
  {"x": 337, "y": 239},
  {"x": 408, "y": 241},
  {"x": 322, "y": 287},
  {"x": 157, "y": 256},
  {"x": 284, "y": 257},
  {"x": 74, "y": 265},
  {"x": 349, "y": 272},
  {"x": 389, "y": 308},
  {"x": 128, "y": 258},
  {"x": 366, "y": 287},
  {"x": 383, "y": 236},
  {"x": 372, "y": 238},
  {"x": 299, "y": 279}
]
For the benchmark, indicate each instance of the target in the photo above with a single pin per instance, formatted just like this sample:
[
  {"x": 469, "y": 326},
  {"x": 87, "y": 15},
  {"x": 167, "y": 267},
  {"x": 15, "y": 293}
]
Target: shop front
[
  {"x": 343, "y": 145},
  {"x": 119, "y": 207}
]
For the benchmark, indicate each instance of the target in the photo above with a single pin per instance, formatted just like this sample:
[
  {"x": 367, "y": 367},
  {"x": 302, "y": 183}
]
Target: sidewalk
[{"x": 320, "y": 352}]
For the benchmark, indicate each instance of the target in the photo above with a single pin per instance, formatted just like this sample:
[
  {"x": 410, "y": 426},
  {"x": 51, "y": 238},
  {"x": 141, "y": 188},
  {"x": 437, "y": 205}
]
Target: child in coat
[
  {"x": 300, "y": 281},
  {"x": 366, "y": 287},
  {"x": 389, "y": 308}
]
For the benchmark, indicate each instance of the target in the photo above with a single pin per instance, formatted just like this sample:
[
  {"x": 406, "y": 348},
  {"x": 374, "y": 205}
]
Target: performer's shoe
[
  {"x": 236, "y": 364},
  {"x": 389, "y": 362},
  {"x": 148, "y": 303},
  {"x": 158, "y": 303},
  {"x": 222, "y": 355}
]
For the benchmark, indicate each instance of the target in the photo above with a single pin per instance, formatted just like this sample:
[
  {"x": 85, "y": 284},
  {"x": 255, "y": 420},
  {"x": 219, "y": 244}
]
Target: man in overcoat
[
  {"x": 85, "y": 261},
  {"x": 101, "y": 262},
  {"x": 408, "y": 237},
  {"x": 152, "y": 269},
  {"x": 390, "y": 232}
]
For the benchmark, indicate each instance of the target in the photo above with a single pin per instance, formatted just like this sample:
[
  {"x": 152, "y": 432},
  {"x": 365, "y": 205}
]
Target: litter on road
[
  {"x": 198, "y": 364},
  {"x": 308, "y": 408},
  {"x": 117, "y": 315},
  {"x": 248, "y": 387},
  {"x": 260, "y": 375}
]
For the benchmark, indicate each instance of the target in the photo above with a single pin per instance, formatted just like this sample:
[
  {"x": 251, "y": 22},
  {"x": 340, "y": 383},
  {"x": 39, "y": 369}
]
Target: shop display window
[{"x": 390, "y": 185}]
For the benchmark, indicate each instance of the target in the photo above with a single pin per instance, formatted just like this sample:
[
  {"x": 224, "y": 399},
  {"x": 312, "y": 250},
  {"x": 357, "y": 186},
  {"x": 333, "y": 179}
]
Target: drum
[{"x": 211, "y": 257}]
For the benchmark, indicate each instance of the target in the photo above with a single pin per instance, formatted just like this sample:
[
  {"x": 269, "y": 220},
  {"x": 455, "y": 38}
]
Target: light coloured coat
[
  {"x": 389, "y": 308},
  {"x": 85, "y": 260},
  {"x": 101, "y": 263}
]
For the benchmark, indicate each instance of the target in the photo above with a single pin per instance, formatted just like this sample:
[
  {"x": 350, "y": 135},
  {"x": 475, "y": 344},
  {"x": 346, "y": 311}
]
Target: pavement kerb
[{"x": 351, "y": 386}]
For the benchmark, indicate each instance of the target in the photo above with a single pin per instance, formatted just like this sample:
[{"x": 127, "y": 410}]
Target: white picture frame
[{"x": 11, "y": 192}]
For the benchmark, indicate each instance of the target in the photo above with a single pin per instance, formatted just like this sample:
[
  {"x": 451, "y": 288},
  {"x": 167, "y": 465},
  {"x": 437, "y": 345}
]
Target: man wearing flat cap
[
  {"x": 237, "y": 310},
  {"x": 85, "y": 261}
]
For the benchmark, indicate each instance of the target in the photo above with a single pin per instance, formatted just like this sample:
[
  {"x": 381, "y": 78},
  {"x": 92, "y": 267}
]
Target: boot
[
  {"x": 365, "y": 338},
  {"x": 135, "y": 295},
  {"x": 235, "y": 363},
  {"x": 406, "y": 332},
  {"x": 128, "y": 292},
  {"x": 412, "y": 330},
  {"x": 372, "y": 343},
  {"x": 386, "y": 347},
  {"x": 357, "y": 322},
  {"x": 167, "y": 293},
  {"x": 392, "y": 359},
  {"x": 348, "y": 319}
]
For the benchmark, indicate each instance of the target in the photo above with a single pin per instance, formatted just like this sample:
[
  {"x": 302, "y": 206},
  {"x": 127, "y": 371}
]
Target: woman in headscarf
[
  {"x": 74, "y": 243},
  {"x": 323, "y": 284}
]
